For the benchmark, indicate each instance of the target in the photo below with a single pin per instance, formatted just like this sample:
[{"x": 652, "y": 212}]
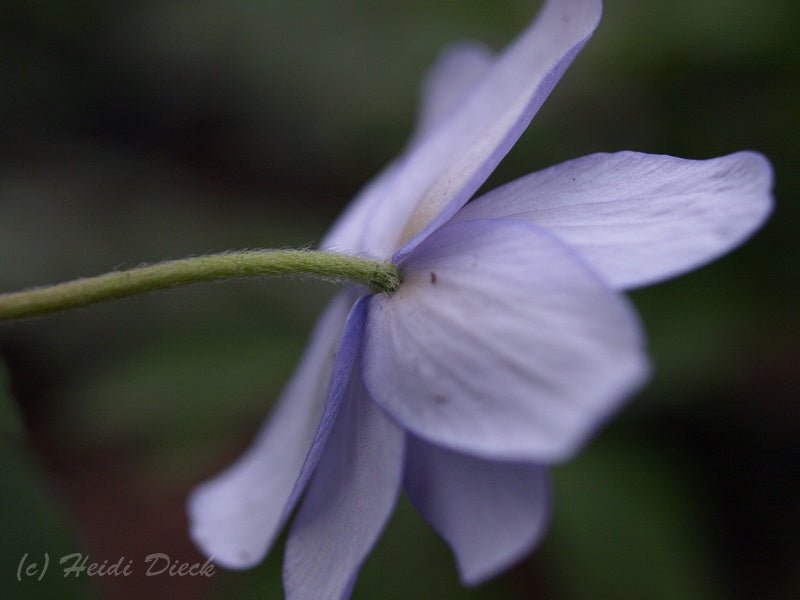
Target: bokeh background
[{"x": 136, "y": 131}]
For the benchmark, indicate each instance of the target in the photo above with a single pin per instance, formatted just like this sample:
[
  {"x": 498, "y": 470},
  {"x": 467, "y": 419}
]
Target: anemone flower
[{"x": 507, "y": 344}]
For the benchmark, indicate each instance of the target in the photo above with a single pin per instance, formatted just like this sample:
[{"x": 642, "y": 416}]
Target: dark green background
[{"x": 136, "y": 131}]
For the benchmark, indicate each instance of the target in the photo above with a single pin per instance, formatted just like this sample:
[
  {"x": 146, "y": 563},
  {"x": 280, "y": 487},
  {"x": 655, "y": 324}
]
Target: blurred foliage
[
  {"x": 35, "y": 533},
  {"x": 644, "y": 513},
  {"x": 136, "y": 131}
]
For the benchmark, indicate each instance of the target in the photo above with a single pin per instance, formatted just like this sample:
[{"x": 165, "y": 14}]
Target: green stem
[{"x": 381, "y": 277}]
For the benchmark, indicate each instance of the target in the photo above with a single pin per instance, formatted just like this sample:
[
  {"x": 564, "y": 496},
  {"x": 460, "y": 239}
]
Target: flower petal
[
  {"x": 458, "y": 155},
  {"x": 640, "y": 218},
  {"x": 235, "y": 516},
  {"x": 491, "y": 513},
  {"x": 444, "y": 167},
  {"x": 350, "y": 231},
  {"x": 502, "y": 344},
  {"x": 457, "y": 69},
  {"x": 349, "y": 500}
]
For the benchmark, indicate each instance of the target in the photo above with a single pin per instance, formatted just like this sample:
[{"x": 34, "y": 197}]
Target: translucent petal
[
  {"x": 459, "y": 154},
  {"x": 640, "y": 218},
  {"x": 457, "y": 69},
  {"x": 464, "y": 142},
  {"x": 501, "y": 343},
  {"x": 236, "y": 516},
  {"x": 491, "y": 513},
  {"x": 349, "y": 232},
  {"x": 348, "y": 502}
]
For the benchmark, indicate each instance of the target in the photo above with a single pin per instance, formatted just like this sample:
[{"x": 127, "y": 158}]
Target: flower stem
[{"x": 381, "y": 277}]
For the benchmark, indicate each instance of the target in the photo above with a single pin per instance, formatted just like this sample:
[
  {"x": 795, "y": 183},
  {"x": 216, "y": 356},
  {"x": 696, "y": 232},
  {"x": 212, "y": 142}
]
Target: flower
[{"x": 507, "y": 344}]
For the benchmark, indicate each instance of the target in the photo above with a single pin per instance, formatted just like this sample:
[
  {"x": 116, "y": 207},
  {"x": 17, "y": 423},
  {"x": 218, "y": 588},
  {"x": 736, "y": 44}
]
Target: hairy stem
[{"x": 381, "y": 277}]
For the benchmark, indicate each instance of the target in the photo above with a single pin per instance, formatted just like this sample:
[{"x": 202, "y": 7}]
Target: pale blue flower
[{"x": 505, "y": 347}]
